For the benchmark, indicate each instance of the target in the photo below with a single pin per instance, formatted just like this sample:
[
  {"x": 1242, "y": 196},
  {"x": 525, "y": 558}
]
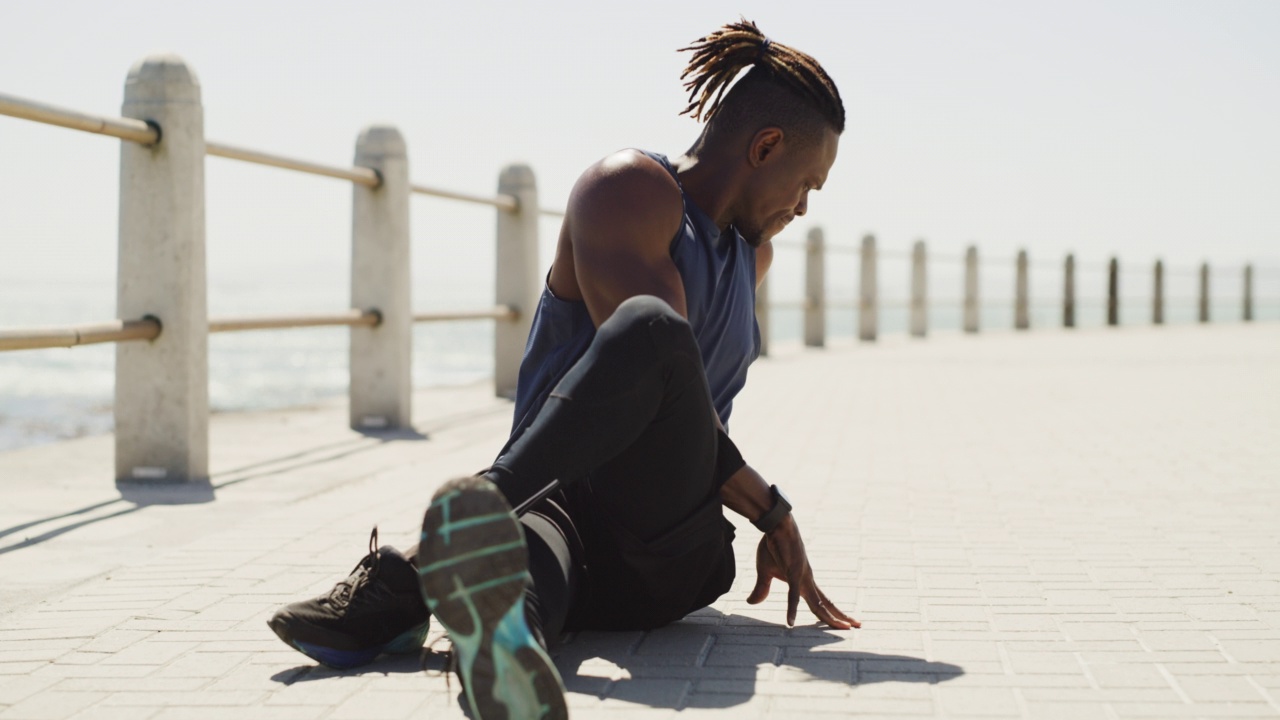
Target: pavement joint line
[{"x": 1112, "y": 555}]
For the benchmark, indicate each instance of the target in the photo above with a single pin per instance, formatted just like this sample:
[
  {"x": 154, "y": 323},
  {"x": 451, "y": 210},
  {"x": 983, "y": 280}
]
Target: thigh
[{"x": 669, "y": 471}]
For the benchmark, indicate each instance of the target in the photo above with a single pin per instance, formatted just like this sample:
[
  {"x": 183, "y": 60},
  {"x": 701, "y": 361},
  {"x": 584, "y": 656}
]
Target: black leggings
[{"x": 633, "y": 418}]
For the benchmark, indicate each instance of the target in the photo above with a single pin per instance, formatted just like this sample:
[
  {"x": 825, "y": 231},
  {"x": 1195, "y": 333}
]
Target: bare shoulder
[{"x": 626, "y": 187}]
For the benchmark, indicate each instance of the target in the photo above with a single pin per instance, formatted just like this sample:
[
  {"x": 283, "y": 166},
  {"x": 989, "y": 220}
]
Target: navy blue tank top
[{"x": 718, "y": 270}]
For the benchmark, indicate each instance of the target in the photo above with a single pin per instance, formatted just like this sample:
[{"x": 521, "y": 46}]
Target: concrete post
[
  {"x": 1069, "y": 292},
  {"x": 762, "y": 315},
  {"x": 815, "y": 303},
  {"x": 919, "y": 292},
  {"x": 972, "y": 315},
  {"x": 1021, "y": 301},
  {"x": 867, "y": 291},
  {"x": 1157, "y": 291},
  {"x": 381, "y": 356},
  {"x": 518, "y": 282},
  {"x": 1248, "y": 293},
  {"x": 162, "y": 386},
  {"x": 1204, "y": 292},
  {"x": 1113, "y": 292}
]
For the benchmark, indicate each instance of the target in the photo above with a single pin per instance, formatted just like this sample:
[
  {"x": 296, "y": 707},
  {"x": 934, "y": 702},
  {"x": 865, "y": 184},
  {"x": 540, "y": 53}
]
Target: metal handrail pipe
[
  {"x": 123, "y": 128},
  {"x": 499, "y": 312},
  {"x": 283, "y": 322},
  {"x": 70, "y": 336},
  {"x": 502, "y": 202},
  {"x": 357, "y": 175}
]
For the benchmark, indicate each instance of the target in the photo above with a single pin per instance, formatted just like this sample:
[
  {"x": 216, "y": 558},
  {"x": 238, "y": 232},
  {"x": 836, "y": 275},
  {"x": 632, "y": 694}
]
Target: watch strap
[{"x": 771, "y": 519}]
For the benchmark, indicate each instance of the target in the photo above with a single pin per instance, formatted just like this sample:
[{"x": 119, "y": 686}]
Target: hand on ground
[{"x": 781, "y": 556}]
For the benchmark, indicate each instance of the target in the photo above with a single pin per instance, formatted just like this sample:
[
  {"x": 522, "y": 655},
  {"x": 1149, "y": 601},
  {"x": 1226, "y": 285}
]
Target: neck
[{"x": 710, "y": 180}]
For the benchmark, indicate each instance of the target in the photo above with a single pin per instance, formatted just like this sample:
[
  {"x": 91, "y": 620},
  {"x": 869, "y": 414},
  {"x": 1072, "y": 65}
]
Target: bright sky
[{"x": 1143, "y": 129}]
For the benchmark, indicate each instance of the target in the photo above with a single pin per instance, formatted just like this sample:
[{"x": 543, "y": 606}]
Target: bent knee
[{"x": 650, "y": 317}]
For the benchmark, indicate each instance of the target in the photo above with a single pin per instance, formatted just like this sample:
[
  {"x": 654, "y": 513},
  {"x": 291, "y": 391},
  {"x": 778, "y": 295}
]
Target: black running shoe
[
  {"x": 474, "y": 569},
  {"x": 376, "y": 609}
]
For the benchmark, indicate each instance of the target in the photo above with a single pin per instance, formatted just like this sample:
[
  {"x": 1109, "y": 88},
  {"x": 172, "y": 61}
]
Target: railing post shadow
[
  {"x": 381, "y": 357},
  {"x": 867, "y": 309},
  {"x": 517, "y": 280},
  {"x": 1157, "y": 293},
  {"x": 161, "y": 390},
  {"x": 1021, "y": 301},
  {"x": 1113, "y": 292},
  {"x": 919, "y": 292},
  {"x": 815, "y": 313},
  {"x": 972, "y": 316},
  {"x": 1069, "y": 292}
]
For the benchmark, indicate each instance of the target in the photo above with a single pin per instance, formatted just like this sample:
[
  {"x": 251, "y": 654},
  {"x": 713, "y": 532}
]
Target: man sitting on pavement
[{"x": 604, "y": 509}]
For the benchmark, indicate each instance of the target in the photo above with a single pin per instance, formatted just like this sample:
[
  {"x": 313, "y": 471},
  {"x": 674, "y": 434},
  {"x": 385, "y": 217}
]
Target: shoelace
[
  {"x": 360, "y": 576},
  {"x": 448, "y": 658}
]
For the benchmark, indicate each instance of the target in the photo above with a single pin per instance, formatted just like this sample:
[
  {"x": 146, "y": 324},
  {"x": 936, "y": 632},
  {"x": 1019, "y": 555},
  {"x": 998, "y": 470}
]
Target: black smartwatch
[{"x": 781, "y": 508}]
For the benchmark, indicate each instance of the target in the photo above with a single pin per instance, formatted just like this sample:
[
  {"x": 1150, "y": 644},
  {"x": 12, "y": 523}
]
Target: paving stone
[{"x": 1006, "y": 561}]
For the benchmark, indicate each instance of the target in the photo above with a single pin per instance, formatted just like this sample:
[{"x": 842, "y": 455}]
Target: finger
[
  {"x": 761, "y": 590},
  {"x": 821, "y": 607},
  {"x": 837, "y": 612},
  {"x": 825, "y": 615},
  {"x": 793, "y": 601}
]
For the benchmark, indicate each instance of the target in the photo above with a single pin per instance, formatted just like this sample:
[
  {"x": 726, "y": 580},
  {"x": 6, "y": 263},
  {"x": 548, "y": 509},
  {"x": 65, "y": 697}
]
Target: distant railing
[
  {"x": 161, "y": 399},
  {"x": 869, "y": 304}
]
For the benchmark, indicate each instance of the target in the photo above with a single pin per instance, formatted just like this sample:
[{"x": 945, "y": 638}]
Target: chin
[{"x": 755, "y": 237}]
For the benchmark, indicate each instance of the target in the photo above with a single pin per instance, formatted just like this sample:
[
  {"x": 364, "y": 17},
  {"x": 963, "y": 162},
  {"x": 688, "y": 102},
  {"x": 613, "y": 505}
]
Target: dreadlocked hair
[{"x": 719, "y": 57}]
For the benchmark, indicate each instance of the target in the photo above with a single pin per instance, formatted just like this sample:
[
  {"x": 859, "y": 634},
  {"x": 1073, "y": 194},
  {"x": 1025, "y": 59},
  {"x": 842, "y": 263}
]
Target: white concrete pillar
[
  {"x": 1113, "y": 292},
  {"x": 762, "y": 314},
  {"x": 1204, "y": 292},
  {"x": 1021, "y": 300},
  {"x": 867, "y": 310},
  {"x": 1248, "y": 293},
  {"x": 518, "y": 277},
  {"x": 919, "y": 292},
  {"x": 1157, "y": 292},
  {"x": 382, "y": 355},
  {"x": 972, "y": 315},
  {"x": 1069, "y": 292},
  {"x": 162, "y": 386},
  {"x": 815, "y": 297}
]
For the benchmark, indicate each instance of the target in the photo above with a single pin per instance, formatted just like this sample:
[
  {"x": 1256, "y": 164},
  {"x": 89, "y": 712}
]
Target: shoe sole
[
  {"x": 409, "y": 641},
  {"x": 474, "y": 574}
]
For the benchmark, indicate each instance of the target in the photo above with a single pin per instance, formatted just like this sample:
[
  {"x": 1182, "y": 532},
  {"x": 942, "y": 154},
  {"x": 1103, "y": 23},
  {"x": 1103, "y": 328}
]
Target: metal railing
[{"x": 868, "y": 304}]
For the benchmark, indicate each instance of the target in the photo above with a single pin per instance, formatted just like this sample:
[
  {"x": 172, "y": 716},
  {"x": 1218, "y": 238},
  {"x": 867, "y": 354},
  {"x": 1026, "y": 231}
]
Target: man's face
[{"x": 778, "y": 190}]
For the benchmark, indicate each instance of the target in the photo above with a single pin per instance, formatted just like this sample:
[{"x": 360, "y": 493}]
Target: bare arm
[{"x": 622, "y": 215}]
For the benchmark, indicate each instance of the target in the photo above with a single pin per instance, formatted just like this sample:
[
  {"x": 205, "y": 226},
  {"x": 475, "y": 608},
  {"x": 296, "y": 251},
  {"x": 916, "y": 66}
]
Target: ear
[{"x": 763, "y": 144}]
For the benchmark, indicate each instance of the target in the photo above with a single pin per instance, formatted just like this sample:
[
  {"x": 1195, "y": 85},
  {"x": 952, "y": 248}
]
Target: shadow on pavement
[
  {"x": 712, "y": 660},
  {"x": 708, "y": 660},
  {"x": 385, "y": 665}
]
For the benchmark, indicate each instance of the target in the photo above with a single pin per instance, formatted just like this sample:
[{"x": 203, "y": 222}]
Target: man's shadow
[
  {"x": 707, "y": 660},
  {"x": 713, "y": 660}
]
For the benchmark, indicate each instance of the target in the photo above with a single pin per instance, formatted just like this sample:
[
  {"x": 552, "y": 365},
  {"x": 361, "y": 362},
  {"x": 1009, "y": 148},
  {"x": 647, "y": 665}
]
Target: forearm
[{"x": 747, "y": 493}]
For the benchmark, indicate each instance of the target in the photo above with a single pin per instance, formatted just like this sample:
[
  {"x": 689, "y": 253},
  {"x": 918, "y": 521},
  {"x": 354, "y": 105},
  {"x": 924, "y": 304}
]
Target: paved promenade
[{"x": 1042, "y": 525}]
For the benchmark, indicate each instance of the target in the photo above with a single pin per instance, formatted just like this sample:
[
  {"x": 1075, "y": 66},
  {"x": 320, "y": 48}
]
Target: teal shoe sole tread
[{"x": 473, "y": 578}]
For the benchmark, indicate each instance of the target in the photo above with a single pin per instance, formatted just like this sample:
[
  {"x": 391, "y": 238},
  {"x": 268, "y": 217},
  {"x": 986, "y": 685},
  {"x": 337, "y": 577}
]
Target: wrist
[{"x": 779, "y": 511}]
